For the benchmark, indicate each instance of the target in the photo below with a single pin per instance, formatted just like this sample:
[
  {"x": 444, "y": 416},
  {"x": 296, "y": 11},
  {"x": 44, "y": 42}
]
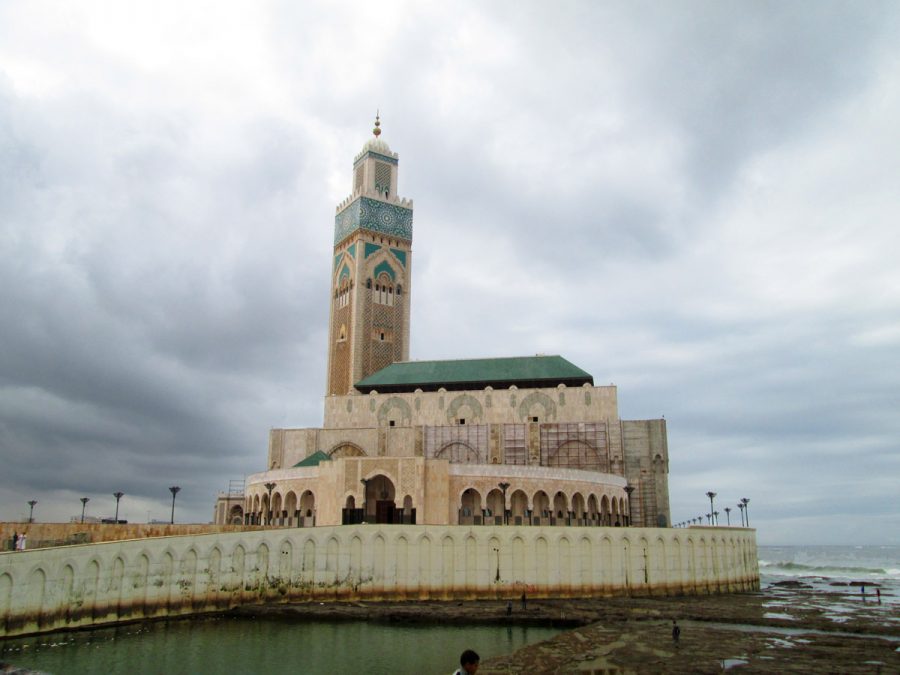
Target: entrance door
[{"x": 384, "y": 511}]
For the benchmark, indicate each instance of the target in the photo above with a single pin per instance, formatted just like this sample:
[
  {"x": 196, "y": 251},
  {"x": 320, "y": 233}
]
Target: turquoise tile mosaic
[
  {"x": 384, "y": 267},
  {"x": 376, "y": 155},
  {"x": 374, "y": 215},
  {"x": 371, "y": 248},
  {"x": 400, "y": 255}
]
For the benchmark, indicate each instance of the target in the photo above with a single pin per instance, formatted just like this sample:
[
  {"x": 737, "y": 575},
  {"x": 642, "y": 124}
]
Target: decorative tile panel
[
  {"x": 384, "y": 268},
  {"x": 374, "y": 215},
  {"x": 377, "y": 155},
  {"x": 400, "y": 255},
  {"x": 370, "y": 249}
]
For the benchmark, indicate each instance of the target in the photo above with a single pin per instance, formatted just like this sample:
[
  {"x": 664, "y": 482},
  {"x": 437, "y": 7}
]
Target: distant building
[{"x": 521, "y": 440}]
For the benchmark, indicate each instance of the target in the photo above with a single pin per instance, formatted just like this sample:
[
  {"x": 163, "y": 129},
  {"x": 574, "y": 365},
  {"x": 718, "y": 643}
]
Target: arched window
[{"x": 384, "y": 290}]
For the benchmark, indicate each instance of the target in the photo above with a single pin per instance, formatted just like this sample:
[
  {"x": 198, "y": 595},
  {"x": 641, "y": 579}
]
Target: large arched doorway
[
  {"x": 236, "y": 515},
  {"x": 307, "y": 509},
  {"x": 380, "y": 505}
]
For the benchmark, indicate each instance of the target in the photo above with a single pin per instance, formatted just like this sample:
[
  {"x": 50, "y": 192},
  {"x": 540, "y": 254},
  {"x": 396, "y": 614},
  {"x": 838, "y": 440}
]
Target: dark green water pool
[{"x": 232, "y": 645}]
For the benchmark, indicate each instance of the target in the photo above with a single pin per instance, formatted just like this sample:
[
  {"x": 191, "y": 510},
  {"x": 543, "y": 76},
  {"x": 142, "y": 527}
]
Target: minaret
[{"x": 370, "y": 279}]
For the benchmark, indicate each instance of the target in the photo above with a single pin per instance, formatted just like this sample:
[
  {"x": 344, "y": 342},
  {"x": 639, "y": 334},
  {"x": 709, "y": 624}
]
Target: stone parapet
[{"x": 96, "y": 584}]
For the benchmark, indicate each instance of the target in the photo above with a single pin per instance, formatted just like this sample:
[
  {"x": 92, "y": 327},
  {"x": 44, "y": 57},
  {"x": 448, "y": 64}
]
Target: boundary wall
[
  {"x": 95, "y": 584},
  {"x": 59, "y": 534}
]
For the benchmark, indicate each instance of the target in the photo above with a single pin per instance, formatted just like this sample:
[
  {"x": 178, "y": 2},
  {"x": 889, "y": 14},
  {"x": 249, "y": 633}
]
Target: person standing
[
  {"x": 676, "y": 632},
  {"x": 21, "y": 544},
  {"x": 468, "y": 663},
  {"x": 524, "y": 601},
  {"x": 15, "y": 541}
]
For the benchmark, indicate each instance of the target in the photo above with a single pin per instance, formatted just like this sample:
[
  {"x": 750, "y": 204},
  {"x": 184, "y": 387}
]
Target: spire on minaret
[{"x": 377, "y": 129}]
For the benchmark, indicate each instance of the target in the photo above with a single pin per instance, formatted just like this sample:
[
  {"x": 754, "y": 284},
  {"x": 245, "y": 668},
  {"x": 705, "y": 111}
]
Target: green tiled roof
[
  {"x": 314, "y": 459},
  {"x": 522, "y": 371}
]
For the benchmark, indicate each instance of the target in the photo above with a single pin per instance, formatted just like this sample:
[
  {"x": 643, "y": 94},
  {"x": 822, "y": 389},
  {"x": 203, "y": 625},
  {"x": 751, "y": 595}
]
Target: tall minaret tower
[{"x": 370, "y": 280}]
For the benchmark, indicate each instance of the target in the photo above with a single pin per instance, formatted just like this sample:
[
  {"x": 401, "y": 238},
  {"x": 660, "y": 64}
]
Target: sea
[{"x": 847, "y": 579}]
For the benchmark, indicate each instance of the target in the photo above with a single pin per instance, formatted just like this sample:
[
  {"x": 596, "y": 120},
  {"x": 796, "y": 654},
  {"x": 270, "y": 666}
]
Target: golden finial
[{"x": 377, "y": 130}]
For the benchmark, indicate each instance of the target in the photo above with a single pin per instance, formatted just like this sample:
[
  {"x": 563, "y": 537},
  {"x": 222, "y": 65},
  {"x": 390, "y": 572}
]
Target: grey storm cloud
[{"x": 694, "y": 202}]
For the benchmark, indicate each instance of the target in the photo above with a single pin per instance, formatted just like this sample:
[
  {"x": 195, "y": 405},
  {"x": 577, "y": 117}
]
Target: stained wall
[{"x": 95, "y": 584}]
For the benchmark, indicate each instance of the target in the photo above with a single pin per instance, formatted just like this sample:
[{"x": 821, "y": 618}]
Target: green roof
[
  {"x": 314, "y": 459},
  {"x": 522, "y": 371}
]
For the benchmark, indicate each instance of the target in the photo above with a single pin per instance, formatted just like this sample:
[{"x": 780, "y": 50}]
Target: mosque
[{"x": 482, "y": 442}]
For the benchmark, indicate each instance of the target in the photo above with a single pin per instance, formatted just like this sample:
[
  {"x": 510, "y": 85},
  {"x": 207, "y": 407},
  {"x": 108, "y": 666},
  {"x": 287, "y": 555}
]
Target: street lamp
[
  {"x": 741, "y": 509},
  {"x": 365, "y": 484},
  {"x": 745, "y": 501},
  {"x": 504, "y": 487},
  {"x": 118, "y": 496},
  {"x": 628, "y": 490},
  {"x": 712, "y": 508},
  {"x": 31, "y": 512},
  {"x": 716, "y": 517},
  {"x": 269, "y": 487},
  {"x": 174, "y": 490},
  {"x": 728, "y": 515},
  {"x": 84, "y": 501}
]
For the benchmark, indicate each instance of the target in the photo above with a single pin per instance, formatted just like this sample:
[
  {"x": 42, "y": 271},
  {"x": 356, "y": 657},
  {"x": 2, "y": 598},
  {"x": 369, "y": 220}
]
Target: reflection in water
[{"x": 220, "y": 645}]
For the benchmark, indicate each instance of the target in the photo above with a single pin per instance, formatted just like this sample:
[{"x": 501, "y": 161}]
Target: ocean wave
[{"x": 795, "y": 568}]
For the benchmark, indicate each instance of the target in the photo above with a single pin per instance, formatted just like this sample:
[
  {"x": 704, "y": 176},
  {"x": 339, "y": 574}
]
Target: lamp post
[
  {"x": 746, "y": 501},
  {"x": 715, "y": 517},
  {"x": 118, "y": 496},
  {"x": 365, "y": 483},
  {"x": 712, "y": 508},
  {"x": 269, "y": 487},
  {"x": 628, "y": 490},
  {"x": 84, "y": 501},
  {"x": 741, "y": 509},
  {"x": 31, "y": 512},
  {"x": 174, "y": 490},
  {"x": 709, "y": 519},
  {"x": 728, "y": 515},
  {"x": 504, "y": 487}
]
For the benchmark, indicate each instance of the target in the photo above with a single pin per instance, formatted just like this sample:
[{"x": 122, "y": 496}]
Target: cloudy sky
[{"x": 696, "y": 201}]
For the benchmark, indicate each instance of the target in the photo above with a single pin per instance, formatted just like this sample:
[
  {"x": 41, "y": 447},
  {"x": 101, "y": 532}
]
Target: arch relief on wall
[
  {"x": 394, "y": 403},
  {"x": 537, "y": 405},
  {"x": 466, "y": 407},
  {"x": 346, "y": 449}
]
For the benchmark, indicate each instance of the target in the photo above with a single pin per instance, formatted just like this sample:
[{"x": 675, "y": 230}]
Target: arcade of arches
[{"x": 407, "y": 491}]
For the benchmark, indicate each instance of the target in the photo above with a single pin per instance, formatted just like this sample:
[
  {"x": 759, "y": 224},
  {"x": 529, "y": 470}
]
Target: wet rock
[
  {"x": 634, "y": 635},
  {"x": 791, "y": 584}
]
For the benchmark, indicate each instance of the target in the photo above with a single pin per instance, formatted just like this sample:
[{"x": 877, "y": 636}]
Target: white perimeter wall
[{"x": 49, "y": 589}]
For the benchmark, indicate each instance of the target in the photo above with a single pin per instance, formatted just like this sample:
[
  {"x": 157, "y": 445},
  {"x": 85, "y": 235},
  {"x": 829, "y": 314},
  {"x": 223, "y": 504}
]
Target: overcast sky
[{"x": 696, "y": 201}]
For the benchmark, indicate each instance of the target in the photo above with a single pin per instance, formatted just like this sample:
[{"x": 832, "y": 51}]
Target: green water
[{"x": 231, "y": 645}]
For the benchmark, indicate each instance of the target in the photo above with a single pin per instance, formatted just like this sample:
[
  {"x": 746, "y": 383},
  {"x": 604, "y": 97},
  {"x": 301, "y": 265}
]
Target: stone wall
[
  {"x": 479, "y": 406},
  {"x": 50, "y": 589}
]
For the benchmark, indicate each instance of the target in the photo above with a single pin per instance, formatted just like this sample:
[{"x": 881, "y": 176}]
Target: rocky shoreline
[{"x": 790, "y": 628}]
